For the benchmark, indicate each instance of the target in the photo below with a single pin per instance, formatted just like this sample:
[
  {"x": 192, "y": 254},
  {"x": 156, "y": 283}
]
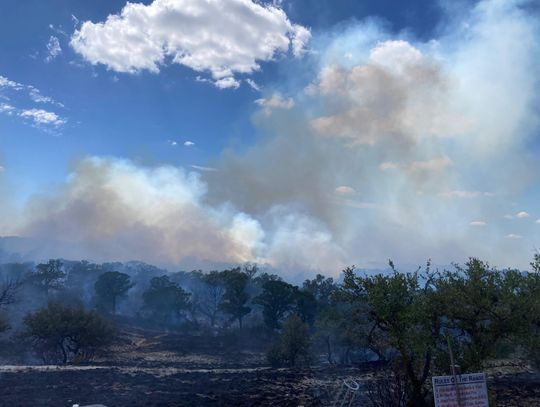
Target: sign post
[{"x": 466, "y": 390}]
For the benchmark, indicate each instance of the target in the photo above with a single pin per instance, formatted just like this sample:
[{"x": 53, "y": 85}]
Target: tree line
[{"x": 406, "y": 321}]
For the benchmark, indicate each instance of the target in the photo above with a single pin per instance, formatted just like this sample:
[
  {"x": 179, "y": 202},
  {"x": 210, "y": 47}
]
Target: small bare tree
[
  {"x": 8, "y": 292},
  {"x": 8, "y": 295}
]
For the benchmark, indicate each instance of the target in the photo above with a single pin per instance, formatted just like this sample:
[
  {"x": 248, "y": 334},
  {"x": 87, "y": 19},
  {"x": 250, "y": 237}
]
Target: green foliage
[
  {"x": 81, "y": 276},
  {"x": 8, "y": 292},
  {"x": 235, "y": 297},
  {"x": 342, "y": 326},
  {"x": 293, "y": 343},
  {"x": 61, "y": 334},
  {"x": 477, "y": 309},
  {"x": 405, "y": 316},
  {"x": 305, "y": 306},
  {"x": 165, "y": 299},
  {"x": 488, "y": 307},
  {"x": 48, "y": 276},
  {"x": 277, "y": 299},
  {"x": 274, "y": 355},
  {"x": 535, "y": 264},
  {"x": 321, "y": 288},
  {"x": 110, "y": 287}
]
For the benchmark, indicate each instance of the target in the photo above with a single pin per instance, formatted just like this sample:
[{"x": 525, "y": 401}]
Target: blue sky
[
  {"x": 135, "y": 116},
  {"x": 318, "y": 132}
]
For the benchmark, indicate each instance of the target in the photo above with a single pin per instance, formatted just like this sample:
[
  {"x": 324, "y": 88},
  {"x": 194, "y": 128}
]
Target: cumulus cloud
[
  {"x": 227, "y": 83},
  {"x": 522, "y": 215},
  {"x": 224, "y": 38},
  {"x": 478, "y": 223},
  {"x": 189, "y": 143}
]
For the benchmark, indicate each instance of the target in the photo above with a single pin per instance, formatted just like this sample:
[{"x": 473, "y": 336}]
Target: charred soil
[{"x": 165, "y": 369}]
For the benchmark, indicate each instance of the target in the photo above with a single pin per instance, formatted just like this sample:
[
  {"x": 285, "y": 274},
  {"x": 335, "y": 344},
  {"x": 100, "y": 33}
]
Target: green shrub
[
  {"x": 293, "y": 343},
  {"x": 62, "y": 334}
]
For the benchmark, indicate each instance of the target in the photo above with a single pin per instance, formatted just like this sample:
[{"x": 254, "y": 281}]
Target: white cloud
[
  {"x": 227, "y": 83},
  {"x": 478, "y": 223},
  {"x": 6, "y": 83},
  {"x": 53, "y": 48},
  {"x": 224, "y": 38},
  {"x": 299, "y": 39},
  {"x": 388, "y": 165},
  {"x": 345, "y": 190},
  {"x": 203, "y": 168},
  {"x": 462, "y": 194},
  {"x": 513, "y": 236},
  {"x": 189, "y": 143},
  {"x": 7, "y": 108},
  {"x": 253, "y": 84},
  {"x": 31, "y": 91},
  {"x": 537, "y": 221},
  {"x": 20, "y": 93},
  {"x": 522, "y": 215},
  {"x": 40, "y": 116},
  {"x": 276, "y": 101},
  {"x": 434, "y": 164}
]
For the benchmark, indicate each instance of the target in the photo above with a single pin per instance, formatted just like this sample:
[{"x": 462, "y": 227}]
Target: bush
[
  {"x": 62, "y": 334},
  {"x": 274, "y": 355},
  {"x": 292, "y": 344}
]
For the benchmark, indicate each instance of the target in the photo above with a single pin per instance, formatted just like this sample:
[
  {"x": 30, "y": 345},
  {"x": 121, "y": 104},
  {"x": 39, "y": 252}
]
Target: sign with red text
[{"x": 466, "y": 390}]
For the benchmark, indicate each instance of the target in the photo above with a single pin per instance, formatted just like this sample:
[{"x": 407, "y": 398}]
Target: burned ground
[{"x": 147, "y": 368}]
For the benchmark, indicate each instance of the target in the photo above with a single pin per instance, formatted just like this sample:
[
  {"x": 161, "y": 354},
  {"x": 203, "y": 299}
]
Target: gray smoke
[{"x": 393, "y": 148}]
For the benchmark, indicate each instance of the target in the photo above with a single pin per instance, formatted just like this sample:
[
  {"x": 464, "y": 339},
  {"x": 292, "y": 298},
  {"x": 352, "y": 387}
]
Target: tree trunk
[
  {"x": 329, "y": 350},
  {"x": 64, "y": 353}
]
